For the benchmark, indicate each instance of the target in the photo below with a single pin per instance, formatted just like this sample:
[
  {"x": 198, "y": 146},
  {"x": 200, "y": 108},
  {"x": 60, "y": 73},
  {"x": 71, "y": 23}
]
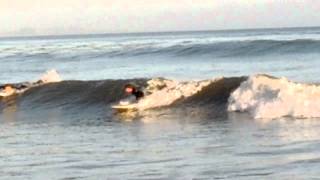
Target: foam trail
[{"x": 268, "y": 97}]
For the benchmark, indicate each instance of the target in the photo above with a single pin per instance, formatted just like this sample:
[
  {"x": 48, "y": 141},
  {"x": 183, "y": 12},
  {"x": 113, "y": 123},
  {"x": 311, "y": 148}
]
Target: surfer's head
[
  {"x": 132, "y": 89},
  {"x": 129, "y": 88}
]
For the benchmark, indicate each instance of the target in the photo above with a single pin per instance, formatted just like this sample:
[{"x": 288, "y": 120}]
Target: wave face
[{"x": 96, "y": 97}]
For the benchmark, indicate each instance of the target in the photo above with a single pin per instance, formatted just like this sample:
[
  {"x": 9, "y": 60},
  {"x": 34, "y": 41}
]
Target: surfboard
[{"x": 125, "y": 108}]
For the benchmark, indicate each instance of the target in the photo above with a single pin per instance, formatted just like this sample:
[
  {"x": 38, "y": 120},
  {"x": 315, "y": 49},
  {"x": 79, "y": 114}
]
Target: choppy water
[
  {"x": 160, "y": 146},
  {"x": 67, "y": 130}
]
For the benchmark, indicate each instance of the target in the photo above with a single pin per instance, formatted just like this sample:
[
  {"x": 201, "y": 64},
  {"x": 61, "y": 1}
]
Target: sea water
[{"x": 206, "y": 117}]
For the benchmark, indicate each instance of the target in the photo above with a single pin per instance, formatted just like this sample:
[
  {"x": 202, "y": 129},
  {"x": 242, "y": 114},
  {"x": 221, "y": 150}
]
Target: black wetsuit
[{"x": 138, "y": 94}]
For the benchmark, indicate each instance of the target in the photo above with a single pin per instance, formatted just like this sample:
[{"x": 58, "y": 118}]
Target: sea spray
[{"x": 50, "y": 76}]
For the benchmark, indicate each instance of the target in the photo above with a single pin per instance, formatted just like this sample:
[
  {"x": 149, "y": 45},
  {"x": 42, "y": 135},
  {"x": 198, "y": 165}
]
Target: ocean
[{"x": 240, "y": 104}]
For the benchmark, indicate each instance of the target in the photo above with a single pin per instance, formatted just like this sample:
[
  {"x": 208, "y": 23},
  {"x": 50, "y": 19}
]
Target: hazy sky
[{"x": 44, "y": 17}]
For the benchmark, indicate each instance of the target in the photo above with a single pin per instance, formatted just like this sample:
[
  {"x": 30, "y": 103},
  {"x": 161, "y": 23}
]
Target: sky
[{"x": 57, "y": 17}]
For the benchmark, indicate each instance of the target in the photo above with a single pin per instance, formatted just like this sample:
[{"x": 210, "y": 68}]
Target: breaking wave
[
  {"x": 269, "y": 97},
  {"x": 261, "y": 96}
]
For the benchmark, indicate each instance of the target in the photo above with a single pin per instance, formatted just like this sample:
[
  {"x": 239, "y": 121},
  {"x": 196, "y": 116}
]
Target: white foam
[
  {"x": 50, "y": 77},
  {"x": 267, "y": 97},
  {"x": 163, "y": 92}
]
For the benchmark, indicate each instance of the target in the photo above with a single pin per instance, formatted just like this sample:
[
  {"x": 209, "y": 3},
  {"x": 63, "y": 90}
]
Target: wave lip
[{"x": 267, "y": 97}]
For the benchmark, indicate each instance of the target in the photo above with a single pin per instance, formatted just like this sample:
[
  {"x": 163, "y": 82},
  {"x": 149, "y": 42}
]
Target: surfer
[
  {"x": 130, "y": 103},
  {"x": 132, "y": 90},
  {"x": 134, "y": 95}
]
